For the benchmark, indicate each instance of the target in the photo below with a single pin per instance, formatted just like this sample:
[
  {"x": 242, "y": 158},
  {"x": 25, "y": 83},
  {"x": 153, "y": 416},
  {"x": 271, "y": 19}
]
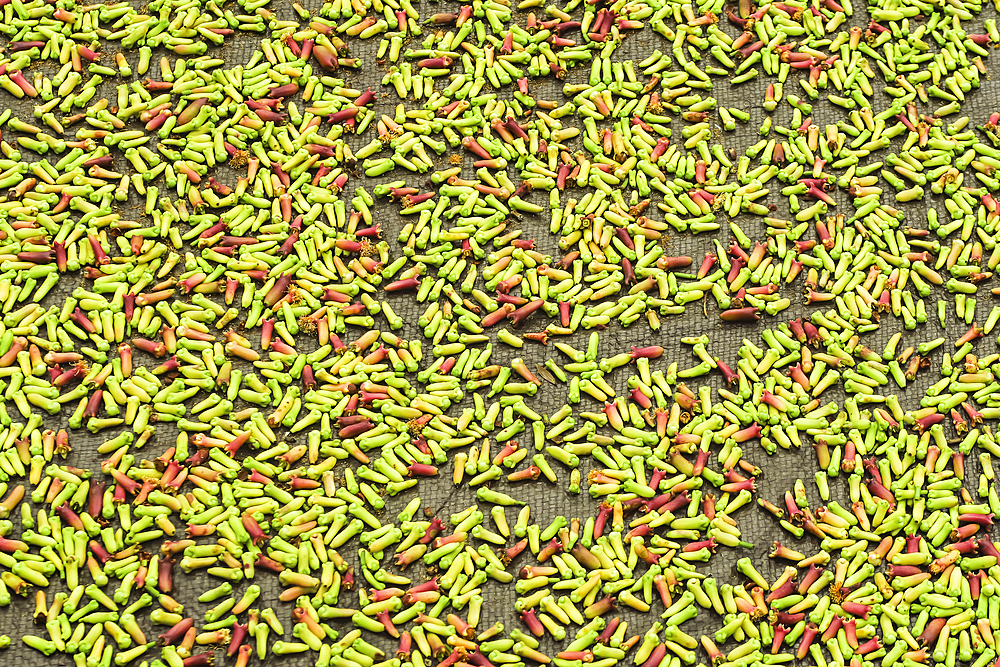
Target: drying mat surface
[{"x": 547, "y": 500}]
